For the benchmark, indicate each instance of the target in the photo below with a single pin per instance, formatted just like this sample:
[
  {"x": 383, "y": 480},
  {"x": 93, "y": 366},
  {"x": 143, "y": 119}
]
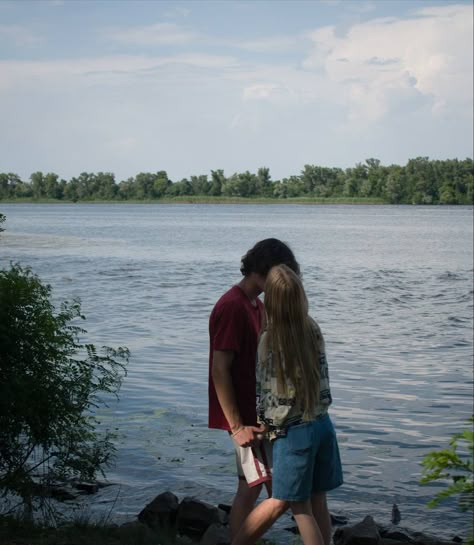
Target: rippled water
[{"x": 392, "y": 288}]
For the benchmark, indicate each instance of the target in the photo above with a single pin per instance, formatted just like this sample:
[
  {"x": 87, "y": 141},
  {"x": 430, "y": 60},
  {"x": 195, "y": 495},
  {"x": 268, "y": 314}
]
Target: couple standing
[{"x": 275, "y": 410}]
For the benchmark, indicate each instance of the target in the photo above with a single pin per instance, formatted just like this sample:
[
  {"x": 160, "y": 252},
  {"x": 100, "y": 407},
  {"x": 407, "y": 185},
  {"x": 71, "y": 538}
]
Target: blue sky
[{"x": 193, "y": 86}]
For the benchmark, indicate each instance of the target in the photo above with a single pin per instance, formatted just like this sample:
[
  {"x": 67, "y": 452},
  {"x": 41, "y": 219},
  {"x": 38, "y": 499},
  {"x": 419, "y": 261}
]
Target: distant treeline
[{"x": 420, "y": 181}]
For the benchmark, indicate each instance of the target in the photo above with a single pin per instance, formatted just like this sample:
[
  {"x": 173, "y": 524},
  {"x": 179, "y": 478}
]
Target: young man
[{"x": 234, "y": 326}]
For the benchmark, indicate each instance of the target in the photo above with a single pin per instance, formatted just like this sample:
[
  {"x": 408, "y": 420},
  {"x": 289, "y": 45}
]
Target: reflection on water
[{"x": 391, "y": 288}]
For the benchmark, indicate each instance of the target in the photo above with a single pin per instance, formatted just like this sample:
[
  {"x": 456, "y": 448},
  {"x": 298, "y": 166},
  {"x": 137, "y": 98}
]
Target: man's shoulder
[{"x": 231, "y": 297}]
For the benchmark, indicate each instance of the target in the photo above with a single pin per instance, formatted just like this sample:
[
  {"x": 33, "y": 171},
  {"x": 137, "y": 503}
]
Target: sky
[{"x": 194, "y": 86}]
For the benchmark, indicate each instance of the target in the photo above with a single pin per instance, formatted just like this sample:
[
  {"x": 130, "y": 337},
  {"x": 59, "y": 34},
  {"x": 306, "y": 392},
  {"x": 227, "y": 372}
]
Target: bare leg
[
  {"x": 243, "y": 503},
  {"x": 259, "y": 520},
  {"x": 322, "y": 516},
  {"x": 307, "y": 525}
]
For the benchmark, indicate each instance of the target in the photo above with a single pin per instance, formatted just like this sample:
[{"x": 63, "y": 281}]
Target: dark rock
[
  {"x": 425, "y": 539},
  {"x": 194, "y": 517},
  {"x": 388, "y": 541},
  {"x": 457, "y": 539},
  {"x": 396, "y": 515},
  {"x": 216, "y": 534},
  {"x": 61, "y": 493},
  {"x": 339, "y": 520},
  {"x": 396, "y": 534},
  {"x": 161, "y": 512},
  {"x": 225, "y": 507},
  {"x": 363, "y": 533},
  {"x": 88, "y": 488}
]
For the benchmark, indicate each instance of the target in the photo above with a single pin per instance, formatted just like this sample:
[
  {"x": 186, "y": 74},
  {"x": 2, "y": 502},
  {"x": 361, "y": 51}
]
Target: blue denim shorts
[{"x": 306, "y": 461}]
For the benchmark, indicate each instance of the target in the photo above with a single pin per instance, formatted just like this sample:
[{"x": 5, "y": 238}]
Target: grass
[
  {"x": 203, "y": 199},
  {"x": 14, "y": 531}
]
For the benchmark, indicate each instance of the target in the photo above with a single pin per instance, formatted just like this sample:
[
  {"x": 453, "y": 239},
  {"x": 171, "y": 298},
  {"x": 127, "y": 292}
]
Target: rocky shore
[{"x": 207, "y": 524}]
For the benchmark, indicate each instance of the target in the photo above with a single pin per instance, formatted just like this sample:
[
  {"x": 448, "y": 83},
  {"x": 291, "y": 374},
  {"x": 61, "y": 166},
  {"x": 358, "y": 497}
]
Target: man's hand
[{"x": 248, "y": 436}]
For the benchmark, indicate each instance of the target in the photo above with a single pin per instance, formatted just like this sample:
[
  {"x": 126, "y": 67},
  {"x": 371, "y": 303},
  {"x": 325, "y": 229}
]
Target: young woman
[{"x": 293, "y": 397}]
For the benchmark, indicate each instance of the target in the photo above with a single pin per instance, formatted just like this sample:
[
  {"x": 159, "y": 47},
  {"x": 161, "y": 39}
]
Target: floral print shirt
[{"x": 278, "y": 410}]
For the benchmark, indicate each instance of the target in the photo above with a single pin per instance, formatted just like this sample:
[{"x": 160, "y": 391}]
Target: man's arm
[{"x": 222, "y": 378}]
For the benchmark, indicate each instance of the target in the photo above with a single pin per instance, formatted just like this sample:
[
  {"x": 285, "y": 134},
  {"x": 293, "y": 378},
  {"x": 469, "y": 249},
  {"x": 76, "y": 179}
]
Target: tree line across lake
[{"x": 420, "y": 181}]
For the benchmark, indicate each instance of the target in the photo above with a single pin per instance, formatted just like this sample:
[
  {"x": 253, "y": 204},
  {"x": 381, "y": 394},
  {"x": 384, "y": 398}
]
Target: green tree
[
  {"x": 200, "y": 184},
  {"x": 37, "y": 185},
  {"x": 52, "y": 189},
  {"x": 217, "y": 181},
  {"x": 161, "y": 184},
  {"x": 181, "y": 188},
  {"x": 51, "y": 384},
  {"x": 106, "y": 188},
  {"x": 264, "y": 186},
  {"x": 9, "y": 184},
  {"x": 395, "y": 186},
  {"x": 354, "y": 179},
  {"x": 455, "y": 468}
]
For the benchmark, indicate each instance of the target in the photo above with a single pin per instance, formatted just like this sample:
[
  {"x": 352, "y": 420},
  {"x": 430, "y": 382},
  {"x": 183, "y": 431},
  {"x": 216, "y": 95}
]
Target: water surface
[{"x": 391, "y": 286}]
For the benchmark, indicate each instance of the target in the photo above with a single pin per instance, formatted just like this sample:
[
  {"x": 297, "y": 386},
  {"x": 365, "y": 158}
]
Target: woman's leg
[
  {"x": 259, "y": 521},
  {"x": 322, "y": 516},
  {"x": 307, "y": 525}
]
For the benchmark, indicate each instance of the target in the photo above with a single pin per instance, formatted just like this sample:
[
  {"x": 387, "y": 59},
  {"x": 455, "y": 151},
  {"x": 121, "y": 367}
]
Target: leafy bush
[
  {"x": 457, "y": 468},
  {"x": 50, "y": 387}
]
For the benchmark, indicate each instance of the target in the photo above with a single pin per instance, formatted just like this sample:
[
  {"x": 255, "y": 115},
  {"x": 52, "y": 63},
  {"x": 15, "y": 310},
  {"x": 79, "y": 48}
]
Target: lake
[{"x": 391, "y": 287}]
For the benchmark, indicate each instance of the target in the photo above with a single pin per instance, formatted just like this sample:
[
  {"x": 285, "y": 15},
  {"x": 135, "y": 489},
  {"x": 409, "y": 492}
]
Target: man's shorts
[
  {"x": 306, "y": 461},
  {"x": 254, "y": 464}
]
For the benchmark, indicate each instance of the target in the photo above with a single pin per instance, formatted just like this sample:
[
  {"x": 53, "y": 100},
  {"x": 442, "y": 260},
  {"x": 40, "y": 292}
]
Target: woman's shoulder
[
  {"x": 317, "y": 331},
  {"x": 315, "y": 325}
]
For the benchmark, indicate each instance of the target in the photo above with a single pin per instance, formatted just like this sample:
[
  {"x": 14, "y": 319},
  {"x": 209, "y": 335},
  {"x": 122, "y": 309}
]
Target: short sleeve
[{"x": 228, "y": 325}]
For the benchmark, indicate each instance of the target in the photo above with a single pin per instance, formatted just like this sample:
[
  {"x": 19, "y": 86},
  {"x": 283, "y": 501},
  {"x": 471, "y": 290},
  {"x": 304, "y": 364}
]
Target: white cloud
[
  {"x": 379, "y": 61},
  {"x": 385, "y": 88},
  {"x": 156, "y": 34},
  {"x": 261, "y": 91},
  {"x": 273, "y": 44},
  {"x": 109, "y": 70}
]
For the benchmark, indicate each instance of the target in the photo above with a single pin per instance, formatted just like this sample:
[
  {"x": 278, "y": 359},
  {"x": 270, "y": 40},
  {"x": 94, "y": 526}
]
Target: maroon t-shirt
[{"x": 234, "y": 325}]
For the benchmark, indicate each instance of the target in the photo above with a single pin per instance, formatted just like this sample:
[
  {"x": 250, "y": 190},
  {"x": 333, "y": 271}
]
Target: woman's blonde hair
[{"x": 294, "y": 339}]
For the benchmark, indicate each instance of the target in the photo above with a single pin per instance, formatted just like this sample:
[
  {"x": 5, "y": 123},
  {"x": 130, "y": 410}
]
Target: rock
[
  {"x": 396, "y": 534},
  {"x": 161, "y": 512},
  {"x": 88, "y": 488},
  {"x": 425, "y": 539},
  {"x": 388, "y": 541},
  {"x": 339, "y": 520},
  {"x": 61, "y": 493},
  {"x": 396, "y": 515},
  {"x": 194, "y": 517},
  {"x": 216, "y": 534},
  {"x": 363, "y": 533}
]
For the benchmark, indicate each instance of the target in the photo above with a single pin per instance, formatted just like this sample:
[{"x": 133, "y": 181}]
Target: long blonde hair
[{"x": 294, "y": 339}]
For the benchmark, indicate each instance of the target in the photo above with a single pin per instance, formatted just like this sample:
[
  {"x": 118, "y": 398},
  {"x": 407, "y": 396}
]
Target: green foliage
[
  {"x": 51, "y": 385},
  {"x": 454, "y": 467},
  {"x": 420, "y": 181}
]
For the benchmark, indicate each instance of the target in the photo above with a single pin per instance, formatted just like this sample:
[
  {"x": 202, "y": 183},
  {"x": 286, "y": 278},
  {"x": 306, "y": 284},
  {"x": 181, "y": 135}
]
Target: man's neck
[{"x": 250, "y": 288}]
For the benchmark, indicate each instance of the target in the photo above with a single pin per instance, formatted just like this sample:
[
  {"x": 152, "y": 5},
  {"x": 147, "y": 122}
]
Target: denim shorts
[{"x": 306, "y": 461}]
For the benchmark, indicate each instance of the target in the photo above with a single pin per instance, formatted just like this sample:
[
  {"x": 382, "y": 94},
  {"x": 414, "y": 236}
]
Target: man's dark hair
[{"x": 265, "y": 255}]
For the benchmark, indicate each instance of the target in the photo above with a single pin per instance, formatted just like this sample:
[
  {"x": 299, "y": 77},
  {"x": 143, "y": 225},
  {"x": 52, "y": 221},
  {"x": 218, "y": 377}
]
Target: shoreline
[
  {"x": 205, "y": 200},
  {"x": 343, "y": 201}
]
